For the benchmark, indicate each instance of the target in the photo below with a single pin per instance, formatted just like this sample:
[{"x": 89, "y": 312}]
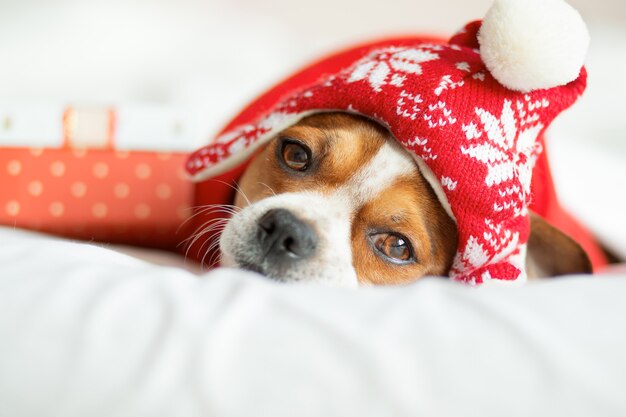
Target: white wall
[{"x": 213, "y": 54}]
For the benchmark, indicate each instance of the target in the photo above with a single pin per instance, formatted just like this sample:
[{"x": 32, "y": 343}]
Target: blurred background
[{"x": 203, "y": 60}]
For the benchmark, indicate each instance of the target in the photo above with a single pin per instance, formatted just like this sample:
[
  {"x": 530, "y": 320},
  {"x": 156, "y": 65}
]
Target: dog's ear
[{"x": 552, "y": 253}]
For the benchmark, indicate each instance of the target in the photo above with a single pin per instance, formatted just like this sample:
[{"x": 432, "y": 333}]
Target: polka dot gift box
[{"x": 96, "y": 173}]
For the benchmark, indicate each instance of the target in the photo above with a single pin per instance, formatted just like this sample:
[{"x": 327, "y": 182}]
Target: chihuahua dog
[{"x": 334, "y": 199}]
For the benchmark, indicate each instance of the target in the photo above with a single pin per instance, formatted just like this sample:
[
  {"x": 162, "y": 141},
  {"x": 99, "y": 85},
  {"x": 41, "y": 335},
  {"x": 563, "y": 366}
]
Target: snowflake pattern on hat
[
  {"x": 479, "y": 139},
  {"x": 390, "y": 66}
]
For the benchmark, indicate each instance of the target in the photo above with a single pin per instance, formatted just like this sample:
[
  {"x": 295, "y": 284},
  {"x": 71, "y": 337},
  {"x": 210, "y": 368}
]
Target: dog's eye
[
  {"x": 295, "y": 155},
  {"x": 394, "y": 247}
]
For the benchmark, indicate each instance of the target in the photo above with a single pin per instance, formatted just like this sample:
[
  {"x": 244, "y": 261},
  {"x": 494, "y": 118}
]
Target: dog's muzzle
[
  {"x": 292, "y": 237},
  {"x": 284, "y": 238}
]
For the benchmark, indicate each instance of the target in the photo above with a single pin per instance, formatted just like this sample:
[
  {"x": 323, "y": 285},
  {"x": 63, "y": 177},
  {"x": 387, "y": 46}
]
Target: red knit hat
[{"x": 471, "y": 111}]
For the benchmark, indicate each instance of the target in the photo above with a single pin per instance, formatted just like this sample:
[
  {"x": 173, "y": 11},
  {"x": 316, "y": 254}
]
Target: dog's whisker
[
  {"x": 215, "y": 209},
  {"x": 211, "y": 251},
  {"x": 243, "y": 194},
  {"x": 213, "y": 225},
  {"x": 200, "y": 228},
  {"x": 236, "y": 188},
  {"x": 203, "y": 259},
  {"x": 213, "y": 228},
  {"x": 211, "y": 205},
  {"x": 200, "y": 250},
  {"x": 225, "y": 210},
  {"x": 268, "y": 187},
  {"x": 214, "y": 244},
  {"x": 215, "y": 257},
  {"x": 217, "y": 226},
  {"x": 228, "y": 214},
  {"x": 206, "y": 209},
  {"x": 205, "y": 206},
  {"x": 207, "y": 227}
]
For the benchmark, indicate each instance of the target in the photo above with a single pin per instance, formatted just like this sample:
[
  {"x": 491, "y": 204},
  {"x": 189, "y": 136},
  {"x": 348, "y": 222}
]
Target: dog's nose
[{"x": 284, "y": 237}]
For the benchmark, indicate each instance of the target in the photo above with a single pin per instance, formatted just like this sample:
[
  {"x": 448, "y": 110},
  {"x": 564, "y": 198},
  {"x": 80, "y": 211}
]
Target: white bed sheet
[{"x": 85, "y": 331}]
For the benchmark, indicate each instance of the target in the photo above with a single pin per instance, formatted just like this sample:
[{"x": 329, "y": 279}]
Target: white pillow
[{"x": 86, "y": 331}]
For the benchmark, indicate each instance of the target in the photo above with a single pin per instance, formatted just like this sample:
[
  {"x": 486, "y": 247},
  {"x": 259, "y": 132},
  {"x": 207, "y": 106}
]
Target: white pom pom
[{"x": 533, "y": 44}]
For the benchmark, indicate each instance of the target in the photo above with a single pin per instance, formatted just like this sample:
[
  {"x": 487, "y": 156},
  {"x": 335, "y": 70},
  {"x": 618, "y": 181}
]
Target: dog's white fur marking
[
  {"x": 330, "y": 216},
  {"x": 390, "y": 162}
]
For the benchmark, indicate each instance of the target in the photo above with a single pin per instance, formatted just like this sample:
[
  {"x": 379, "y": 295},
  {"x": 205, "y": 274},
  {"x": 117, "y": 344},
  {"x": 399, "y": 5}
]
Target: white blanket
[{"x": 85, "y": 331}]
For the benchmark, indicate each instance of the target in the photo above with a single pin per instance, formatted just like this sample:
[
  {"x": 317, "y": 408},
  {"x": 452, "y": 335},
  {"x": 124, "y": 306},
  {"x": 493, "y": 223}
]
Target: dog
[{"x": 335, "y": 200}]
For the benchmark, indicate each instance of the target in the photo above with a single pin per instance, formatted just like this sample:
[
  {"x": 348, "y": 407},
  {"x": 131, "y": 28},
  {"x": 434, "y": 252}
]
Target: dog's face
[{"x": 334, "y": 199}]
